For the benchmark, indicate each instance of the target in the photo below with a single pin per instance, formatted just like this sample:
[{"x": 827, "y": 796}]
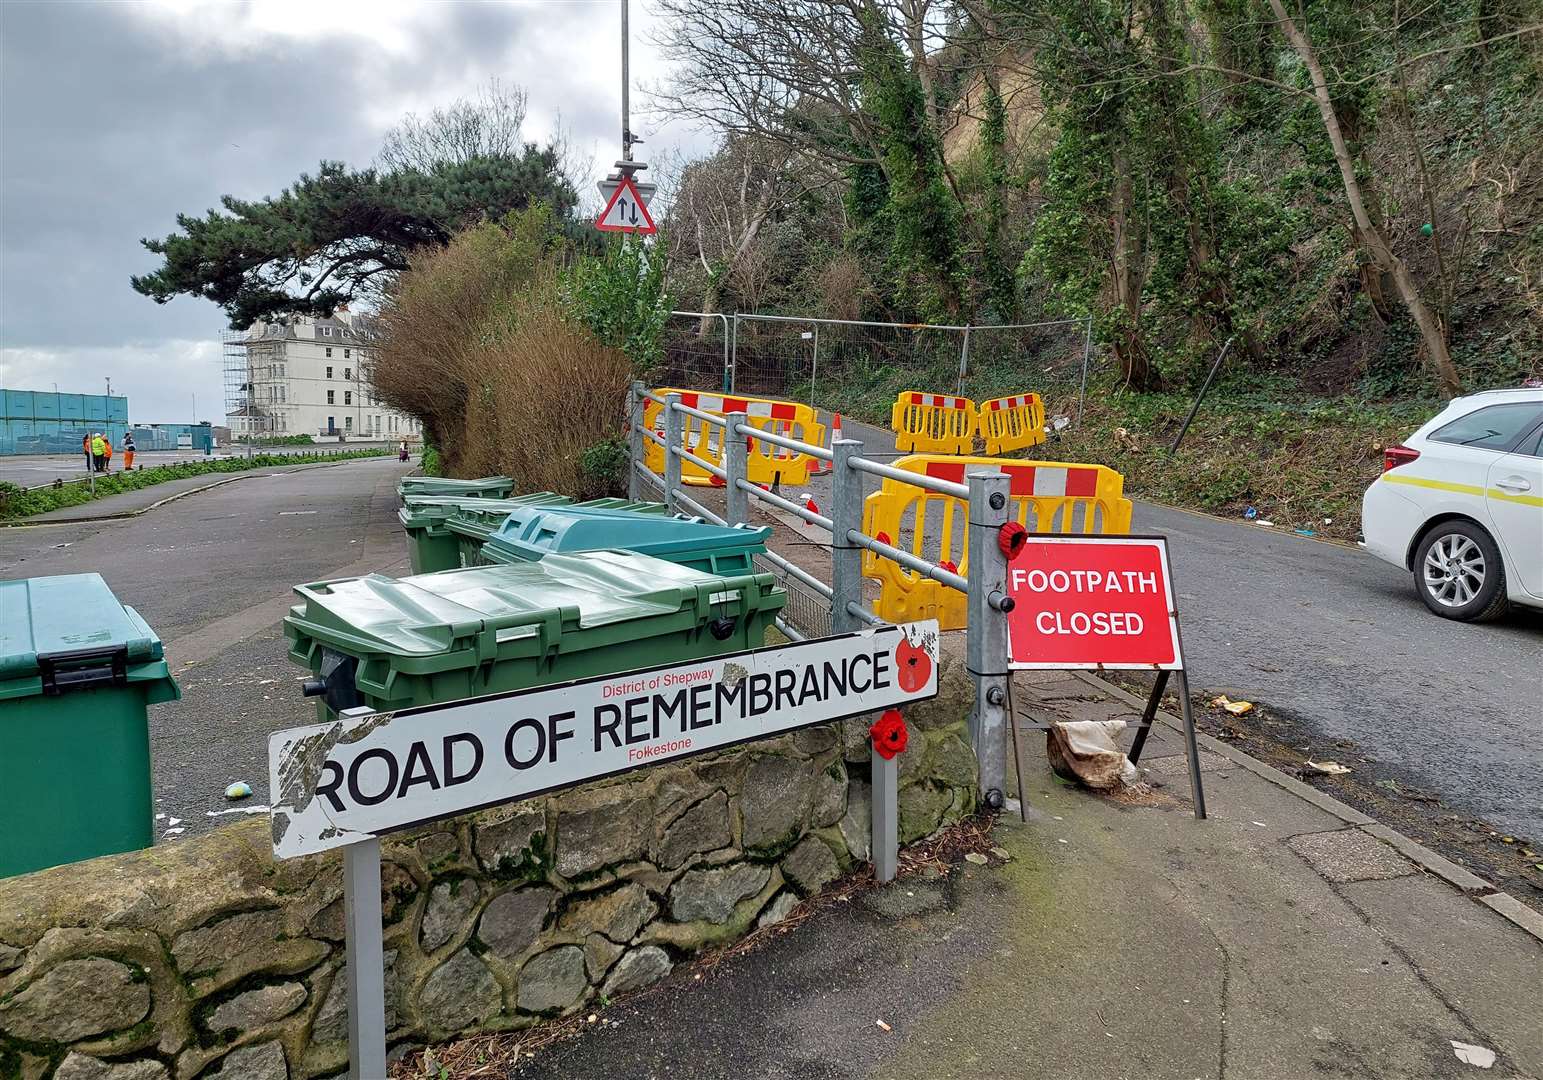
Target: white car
[{"x": 1460, "y": 504}]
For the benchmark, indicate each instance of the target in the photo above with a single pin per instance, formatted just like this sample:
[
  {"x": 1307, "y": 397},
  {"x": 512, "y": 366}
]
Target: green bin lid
[
  {"x": 490, "y": 486},
  {"x": 482, "y": 610},
  {"x": 71, "y": 631},
  {"x": 534, "y": 532}
]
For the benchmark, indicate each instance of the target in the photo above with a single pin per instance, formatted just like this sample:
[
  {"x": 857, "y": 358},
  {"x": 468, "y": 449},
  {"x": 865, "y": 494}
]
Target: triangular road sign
[{"x": 626, "y": 212}]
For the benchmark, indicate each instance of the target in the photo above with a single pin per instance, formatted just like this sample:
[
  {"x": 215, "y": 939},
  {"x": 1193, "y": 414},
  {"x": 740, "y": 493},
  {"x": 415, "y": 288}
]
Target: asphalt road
[
  {"x": 1339, "y": 642},
  {"x": 212, "y": 574}
]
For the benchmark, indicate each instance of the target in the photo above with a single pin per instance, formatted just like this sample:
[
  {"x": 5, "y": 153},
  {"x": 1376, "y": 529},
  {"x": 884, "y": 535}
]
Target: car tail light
[{"x": 1394, "y": 456}]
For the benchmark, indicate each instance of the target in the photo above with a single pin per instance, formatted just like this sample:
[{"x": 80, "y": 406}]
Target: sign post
[
  {"x": 1102, "y": 602},
  {"x": 366, "y": 774}
]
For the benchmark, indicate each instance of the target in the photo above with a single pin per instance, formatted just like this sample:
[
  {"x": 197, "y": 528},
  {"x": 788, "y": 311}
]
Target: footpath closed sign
[
  {"x": 1093, "y": 602},
  {"x": 360, "y": 776}
]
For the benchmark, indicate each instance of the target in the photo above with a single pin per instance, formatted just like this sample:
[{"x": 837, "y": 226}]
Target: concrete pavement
[{"x": 1277, "y": 940}]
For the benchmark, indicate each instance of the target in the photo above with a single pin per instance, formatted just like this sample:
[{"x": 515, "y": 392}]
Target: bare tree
[
  {"x": 489, "y": 125},
  {"x": 722, "y": 204},
  {"x": 1371, "y": 235},
  {"x": 788, "y": 70}
]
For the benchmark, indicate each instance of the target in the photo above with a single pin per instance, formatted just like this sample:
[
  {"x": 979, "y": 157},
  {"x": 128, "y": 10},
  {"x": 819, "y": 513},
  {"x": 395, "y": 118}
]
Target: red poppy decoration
[
  {"x": 1011, "y": 538},
  {"x": 889, "y": 734}
]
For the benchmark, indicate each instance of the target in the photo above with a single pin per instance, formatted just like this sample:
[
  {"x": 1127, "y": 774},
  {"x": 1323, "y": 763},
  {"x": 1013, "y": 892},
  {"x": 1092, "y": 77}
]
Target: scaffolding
[{"x": 257, "y": 387}]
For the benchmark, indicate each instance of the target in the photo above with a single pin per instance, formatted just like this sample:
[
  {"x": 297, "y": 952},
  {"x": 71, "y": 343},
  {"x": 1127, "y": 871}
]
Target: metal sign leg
[
  {"x": 366, "y": 961},
  {"x": 1190, "y": 748},
  {"x": 886, "y": 816},
  {"x": 1148, "y": 717}
]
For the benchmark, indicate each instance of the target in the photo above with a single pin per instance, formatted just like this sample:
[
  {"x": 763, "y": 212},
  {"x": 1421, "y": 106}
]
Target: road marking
[{"x": 294, "y": 513}]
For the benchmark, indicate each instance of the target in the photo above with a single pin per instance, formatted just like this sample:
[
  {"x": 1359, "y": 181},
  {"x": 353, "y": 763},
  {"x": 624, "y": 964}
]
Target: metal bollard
[
  {"x": 986, "y": 640},
  {"x": 736, "y": 467},
  {"x": 673, "y": 434},
  {"x": 635, "y": 444},
  {"x": 846, "y": 516}
]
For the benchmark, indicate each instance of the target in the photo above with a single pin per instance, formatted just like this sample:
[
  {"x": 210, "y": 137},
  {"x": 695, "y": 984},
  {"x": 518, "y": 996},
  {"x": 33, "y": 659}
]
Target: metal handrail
[
  {"x": 784, "y": 504},
  {"x": 750, "y": 431},
  {"x": 700, "y": 415},
  {"x": 864, "y": 615},
  {"x": 787, "y": 629},
  {"x": 910, "y": 562},
  {"x": 656, "y": 437},
  {"x": 798, "y": 573},
  {"x": 921, "y": 480},
  {"x": 698, "y": 509},
  {"x": 701, "y": 463}
]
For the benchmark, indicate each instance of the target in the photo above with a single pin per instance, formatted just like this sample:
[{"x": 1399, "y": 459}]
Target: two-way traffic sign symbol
[{"x": 626, "y": 211}]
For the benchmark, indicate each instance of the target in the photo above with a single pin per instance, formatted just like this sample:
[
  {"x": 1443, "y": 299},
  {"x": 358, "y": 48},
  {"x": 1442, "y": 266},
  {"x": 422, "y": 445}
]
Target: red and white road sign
[
  {"x": 1091, "y": 602},
  {"x": 626, "y": 211}
]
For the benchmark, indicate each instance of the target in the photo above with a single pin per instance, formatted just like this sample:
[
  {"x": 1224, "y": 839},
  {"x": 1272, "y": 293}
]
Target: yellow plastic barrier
[
  {"x": 768, "y": 464},
  {"x": 1048, "y": 497},
  {"x": 933, "y": 423},
  {"x": 1011, "y": 423}
]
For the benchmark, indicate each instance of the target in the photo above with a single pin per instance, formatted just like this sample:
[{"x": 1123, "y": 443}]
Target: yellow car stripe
[
  {"x": 1506, "y": 496},
  {"x": 1464, "y": 489},
  {"x": 1435, "y": 485}
]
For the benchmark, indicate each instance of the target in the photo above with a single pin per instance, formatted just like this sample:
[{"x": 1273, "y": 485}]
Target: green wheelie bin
[
  {"x": 77, "y": 670},
  {"x": 446, "y": 532},
  {"x": 474, "y": 524},
  {"x": 389, "y": 644},
  {"x": 488, "y": 487},
  {"x": 533, "y": 532},
  {"x": 431, "y": 544}
]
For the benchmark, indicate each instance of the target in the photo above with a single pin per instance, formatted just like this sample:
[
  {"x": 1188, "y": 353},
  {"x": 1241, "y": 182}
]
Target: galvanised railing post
[
  {"x": 635, "y": 442},
  {"x": 673, "y": 432},
  {"x": 736, "y": 466},
  {"x": 846, "y": 516},
  {"x": 986, "y": 636}
]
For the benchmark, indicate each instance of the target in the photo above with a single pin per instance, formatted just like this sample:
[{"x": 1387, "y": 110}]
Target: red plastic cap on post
[{"x": 1011, "y": 538}]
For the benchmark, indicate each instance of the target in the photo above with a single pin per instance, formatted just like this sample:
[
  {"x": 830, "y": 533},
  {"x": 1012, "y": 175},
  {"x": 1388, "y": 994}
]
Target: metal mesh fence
[
  {"x": 831, "y": 363},
  {"x": 696, "y": 351},
  {"x": 807, "y": 611}
]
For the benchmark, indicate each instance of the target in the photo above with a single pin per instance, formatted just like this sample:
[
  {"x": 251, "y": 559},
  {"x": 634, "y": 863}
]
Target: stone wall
[{"x": 206, "y": 958}]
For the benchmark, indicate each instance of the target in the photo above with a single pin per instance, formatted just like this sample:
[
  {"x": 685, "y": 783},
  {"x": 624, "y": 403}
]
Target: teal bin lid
[
  {"x": 535, "y": 532},
  {"x": 71, "y": 632},
  {"x": 480, "y": 614}
]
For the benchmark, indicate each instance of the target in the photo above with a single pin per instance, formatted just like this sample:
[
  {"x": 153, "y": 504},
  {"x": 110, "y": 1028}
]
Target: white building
[{"x": 307, "y": 376}]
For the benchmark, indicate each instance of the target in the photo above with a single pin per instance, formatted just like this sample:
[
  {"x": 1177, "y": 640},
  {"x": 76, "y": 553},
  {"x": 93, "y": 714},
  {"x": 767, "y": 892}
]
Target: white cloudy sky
[{"x": 115, "y": 117}]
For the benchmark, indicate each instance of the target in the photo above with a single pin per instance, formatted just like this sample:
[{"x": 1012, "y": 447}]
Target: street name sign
[
  {"x": 361, "y": 776},
  {"x": 626, "y": 211},
  {"x": 1093, "y": 602}
]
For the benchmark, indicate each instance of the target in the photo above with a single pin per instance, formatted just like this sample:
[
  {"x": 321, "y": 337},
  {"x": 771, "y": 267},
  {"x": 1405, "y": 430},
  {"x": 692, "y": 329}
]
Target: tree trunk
[
  {"x": 1376, "y": 244},
  {"x": 1127, "y": 275}
]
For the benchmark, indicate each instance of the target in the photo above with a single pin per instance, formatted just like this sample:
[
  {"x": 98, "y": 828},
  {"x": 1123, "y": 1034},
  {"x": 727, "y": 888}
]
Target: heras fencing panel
[
  {"x": 768, "y": 464},
  {"x": 933, "y": 423},
  {"x": 1047, "y": 497},
  {"x": 1011, "y": 423}
]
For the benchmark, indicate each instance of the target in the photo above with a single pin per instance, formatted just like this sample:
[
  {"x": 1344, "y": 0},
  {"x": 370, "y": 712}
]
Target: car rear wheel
[{"x": 1458, "y": 572}]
